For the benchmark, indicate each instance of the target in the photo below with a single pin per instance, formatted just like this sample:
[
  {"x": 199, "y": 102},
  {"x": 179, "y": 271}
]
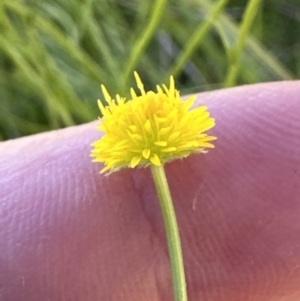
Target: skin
[{"x": 69, "y": 233}]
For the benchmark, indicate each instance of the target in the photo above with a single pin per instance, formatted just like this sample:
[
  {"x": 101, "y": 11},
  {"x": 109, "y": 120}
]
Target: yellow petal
[
  {"x": 154, "y": 159},
  {"x": 163, "y": 131},
  {"x": 169, "y": 149},
  {"x": 120, "y": 100},
  {"x": 159, "y": 119},
  {"x": 159, "y": 90},
  {"x": 133, "y": 94},
  {"x": 172, "y": 84},
  {"x": 135, "y": 161},
  {"x": 160, "y": 143},
  {"x": 133, "y": 127},
  {"x": 147, "y": 126},
  {"x": 104, "y": 169},
  {"x": 146, "y": 153},
  {"x": 189, "y": 102},
  {"x": 200, "y": 109},
  {"x": 207, "y": 138},
  {"x": 206, "y": 144},
  {"x": 207, "y": 124},
  {"x": 173, "y": 136},
  {"x": 102, "y": 108},
  {"x": 106, "y": 94},
  {"x": 135, "y": 136},
  {"x": 139, "y": 83}
]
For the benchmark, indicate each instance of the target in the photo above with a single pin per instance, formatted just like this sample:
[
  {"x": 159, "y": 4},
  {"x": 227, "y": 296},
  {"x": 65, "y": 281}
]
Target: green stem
[
  {"x": 236, "y": 52},
  {"x": 143, "y": 40},
  {"x": 197, "y": 37},
  {"x": 171, "y": 227}
]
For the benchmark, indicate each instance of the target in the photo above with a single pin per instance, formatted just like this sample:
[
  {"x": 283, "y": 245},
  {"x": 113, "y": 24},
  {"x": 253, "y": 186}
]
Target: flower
[{"x": 152, "y": 128}]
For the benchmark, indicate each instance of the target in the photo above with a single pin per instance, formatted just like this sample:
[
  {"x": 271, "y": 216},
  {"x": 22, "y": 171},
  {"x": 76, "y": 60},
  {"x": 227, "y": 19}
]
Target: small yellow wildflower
[{"x": 153, "y": 128}]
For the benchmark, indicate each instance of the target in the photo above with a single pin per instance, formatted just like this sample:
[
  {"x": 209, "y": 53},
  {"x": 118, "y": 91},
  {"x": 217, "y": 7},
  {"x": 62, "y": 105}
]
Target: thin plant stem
[
  {"x": 236, "y": 52},
  {"x": 172, "y": 232},
  {"x": 197, "y": 37},
  {"x": 143, "y": 40}
]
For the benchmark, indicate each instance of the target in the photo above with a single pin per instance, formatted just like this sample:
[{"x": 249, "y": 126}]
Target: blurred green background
[{"x": 55, "y": 54}]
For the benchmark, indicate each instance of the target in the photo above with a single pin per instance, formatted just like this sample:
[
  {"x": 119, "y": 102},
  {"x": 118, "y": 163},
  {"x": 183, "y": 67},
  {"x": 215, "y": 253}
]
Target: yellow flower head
[{"x": 152, "y": 128}]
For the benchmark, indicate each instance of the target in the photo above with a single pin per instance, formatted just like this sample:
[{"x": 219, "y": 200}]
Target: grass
[{"x": 55, "y": 54}]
